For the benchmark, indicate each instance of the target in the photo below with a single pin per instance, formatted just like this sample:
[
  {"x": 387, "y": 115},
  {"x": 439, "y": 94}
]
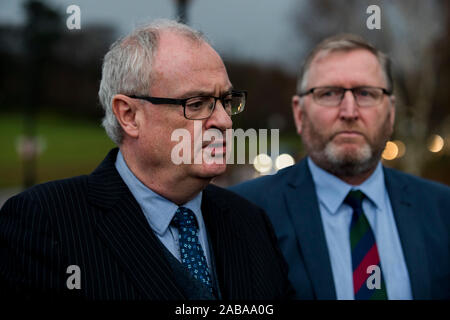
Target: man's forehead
[
  {"x": 183, "y": 64},
  {"x": 179, "y": 51},
  {"x": 334, "y": 56},
  {"x": 174, "y": 43},
  {"x": 345, "y": 64},
  {"x": 173, "y": 38}
]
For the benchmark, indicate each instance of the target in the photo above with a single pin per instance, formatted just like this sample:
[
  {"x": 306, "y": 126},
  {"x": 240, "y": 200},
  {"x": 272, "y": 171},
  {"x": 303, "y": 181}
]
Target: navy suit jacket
[
  {"x": 95, "y": 222},
  {"x": 422, "y": 214}
]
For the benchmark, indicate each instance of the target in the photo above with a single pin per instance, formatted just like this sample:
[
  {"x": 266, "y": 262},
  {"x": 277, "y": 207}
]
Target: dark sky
[
  {"x": 256, "y": 30},
  {"x": 261, "y": 31}
]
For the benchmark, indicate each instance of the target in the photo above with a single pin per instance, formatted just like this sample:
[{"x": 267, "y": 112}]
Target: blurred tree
[
  {"x": 269, "y": 94},
  {"x": 40, "y": 33},
  {"x": 70, "y": 71},
  {"x": 46, "y": 66},
  {"x": 411, "y": 33},
  {"x": 182, "y": 9},
  {"x": 76, "y": 72},
  {"x": 441, "y": 104}
]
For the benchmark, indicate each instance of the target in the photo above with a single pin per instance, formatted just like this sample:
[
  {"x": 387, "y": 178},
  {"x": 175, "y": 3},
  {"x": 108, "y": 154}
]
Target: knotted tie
[
  {"x": 365, "y": 258},
  {"x": 191, "y": 252}
]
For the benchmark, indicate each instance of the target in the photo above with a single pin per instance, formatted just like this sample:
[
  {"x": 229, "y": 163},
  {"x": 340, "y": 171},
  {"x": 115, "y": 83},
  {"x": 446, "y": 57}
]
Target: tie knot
[
  {"x": 354, "y": 199},
  {"x": 184, "y": 218}
]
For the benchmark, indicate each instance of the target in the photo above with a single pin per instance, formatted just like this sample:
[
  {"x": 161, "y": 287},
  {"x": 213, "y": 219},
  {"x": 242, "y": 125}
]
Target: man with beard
[{"x": 348, "y": 227}]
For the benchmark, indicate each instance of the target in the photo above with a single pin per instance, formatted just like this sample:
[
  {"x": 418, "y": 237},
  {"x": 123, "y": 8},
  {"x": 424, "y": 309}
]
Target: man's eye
[
  {"x": 196, "y": 103},
  {"x": 327, "y": 93},
  {"x": 366, "y": 93}
]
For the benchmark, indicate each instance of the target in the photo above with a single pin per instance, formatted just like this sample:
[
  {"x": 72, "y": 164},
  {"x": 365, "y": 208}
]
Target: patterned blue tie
[{"x": 191, "y": 252}]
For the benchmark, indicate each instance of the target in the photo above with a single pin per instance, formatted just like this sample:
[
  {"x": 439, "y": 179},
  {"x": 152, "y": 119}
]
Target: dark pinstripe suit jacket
[{"x": 94, "y": 222}]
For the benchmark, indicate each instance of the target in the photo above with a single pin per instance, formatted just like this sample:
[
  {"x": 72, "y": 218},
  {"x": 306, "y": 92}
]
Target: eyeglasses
[
  {"x": 332, "y": 96},
  {"x": 201, "y": 107}
]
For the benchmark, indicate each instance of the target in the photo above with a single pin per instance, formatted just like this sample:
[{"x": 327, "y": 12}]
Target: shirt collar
[
  {"x": 158, "y": 210},
  {"x": 331, "y": 191}
]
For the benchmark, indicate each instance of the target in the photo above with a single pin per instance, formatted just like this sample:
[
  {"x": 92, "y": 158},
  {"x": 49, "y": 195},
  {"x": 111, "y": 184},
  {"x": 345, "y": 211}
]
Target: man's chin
[
  {"x": 348, "y": 145},
  {"x": 348, "y": 153},
  {"x": 210, "y": 171}
]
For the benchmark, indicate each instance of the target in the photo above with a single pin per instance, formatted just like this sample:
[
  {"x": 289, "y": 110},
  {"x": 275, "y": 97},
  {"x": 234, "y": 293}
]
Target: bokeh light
[
  {"x": 262, "y": 163},
  {"x": 390, "y": 151},
  {"x": 401, "y": 148},
  {"x": 284, "y": 160},
  {"x": 435, "y": 143}
]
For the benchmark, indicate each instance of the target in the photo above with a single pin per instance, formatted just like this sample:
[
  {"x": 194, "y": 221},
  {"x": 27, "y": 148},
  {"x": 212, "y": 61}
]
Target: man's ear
[
  {"x": 125, "y": 110},
  {"x": 297, "y": 112}
]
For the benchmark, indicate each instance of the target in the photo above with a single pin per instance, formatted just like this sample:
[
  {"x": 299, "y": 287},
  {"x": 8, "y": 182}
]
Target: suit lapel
[
  {"x": 407, "y": 209},
  {"x": 125, "y": 231},
  {"x": 303, "y": 209},
  {"x": 228, "y": 247}
]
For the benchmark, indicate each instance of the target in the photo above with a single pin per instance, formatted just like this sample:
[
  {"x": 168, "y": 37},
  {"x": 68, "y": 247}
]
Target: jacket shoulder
[
  {"x": 52, "y": 192},
  {"x": 258, "y": 189},
  {"x": 432, "y": 188},
  {"x": 240, "y": 210},
  {"x": 432, "y": 198},
  {"x": 227, "y": 198},
  {"x": 240, "y": 218}
]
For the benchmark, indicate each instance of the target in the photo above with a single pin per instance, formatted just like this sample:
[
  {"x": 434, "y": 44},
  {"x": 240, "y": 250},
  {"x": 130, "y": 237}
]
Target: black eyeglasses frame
[{"x": 182, "y": 102}]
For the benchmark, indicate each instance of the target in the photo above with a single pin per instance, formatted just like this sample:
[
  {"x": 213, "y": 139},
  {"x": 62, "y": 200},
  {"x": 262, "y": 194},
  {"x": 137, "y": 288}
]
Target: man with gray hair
[
  {"x": 348, "y": 227},
  {"x": 140, "y": 226}
]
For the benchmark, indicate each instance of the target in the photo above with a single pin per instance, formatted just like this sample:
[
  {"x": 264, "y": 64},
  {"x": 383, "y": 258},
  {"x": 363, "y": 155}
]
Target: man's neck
[
  {"x": 358, "y": 179},
  {"x": 166, "y": 182}
]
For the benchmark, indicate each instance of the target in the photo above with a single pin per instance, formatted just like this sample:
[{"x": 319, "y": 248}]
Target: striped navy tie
[{"x": 365, "y": 258}]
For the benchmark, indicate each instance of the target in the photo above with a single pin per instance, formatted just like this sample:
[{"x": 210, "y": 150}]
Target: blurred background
[{"x": 50, "y": 115}]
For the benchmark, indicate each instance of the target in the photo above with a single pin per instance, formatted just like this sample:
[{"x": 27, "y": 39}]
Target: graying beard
[{"x": 346, "y": 166}]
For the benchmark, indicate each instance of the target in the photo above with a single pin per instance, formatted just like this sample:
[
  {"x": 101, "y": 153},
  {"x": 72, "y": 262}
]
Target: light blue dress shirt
[
  {"x": 159, "y": 211},
  {"x": 336, "y": 218}
]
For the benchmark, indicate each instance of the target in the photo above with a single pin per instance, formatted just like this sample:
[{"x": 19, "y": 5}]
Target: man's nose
[
  {"x": 219, "y": 118},
  {"x": 348, "y": 109}
]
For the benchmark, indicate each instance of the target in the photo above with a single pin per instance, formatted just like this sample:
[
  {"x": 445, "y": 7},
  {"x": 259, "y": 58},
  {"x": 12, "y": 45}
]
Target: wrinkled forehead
[
  {"x": 358, "y": 65},
  {"x": 342, "y": 52}
]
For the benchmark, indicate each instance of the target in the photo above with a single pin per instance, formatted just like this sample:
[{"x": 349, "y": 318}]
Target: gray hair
[
  {"x": 344, "y": 42},
  {"x": 127, "y": 67}
]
